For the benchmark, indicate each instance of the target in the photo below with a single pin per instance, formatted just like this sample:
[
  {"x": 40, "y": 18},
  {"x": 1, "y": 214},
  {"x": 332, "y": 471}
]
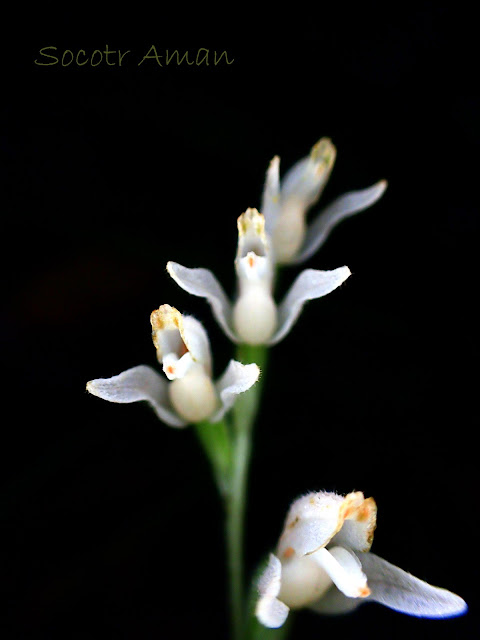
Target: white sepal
[
  {"x": 270, "y": 581},
  {"x": 309, "y": 285},
  {"x": 133, "y": 385},
  {"x": 360, "y": 520},
  {"x": 341, "y": 208},
  {"x": 399, "y": 590},
  {"x": 201, "y": 282},
  {"x": 197, "y": 342},
  {"x": 311, "y": 522},
  {"x": 270, "y": 611},
  {"x": 236, "y": 379},
  {"x": 319, "y": 518}
]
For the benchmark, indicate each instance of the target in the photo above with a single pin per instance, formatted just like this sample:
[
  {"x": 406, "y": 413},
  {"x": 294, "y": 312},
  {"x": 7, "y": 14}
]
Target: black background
[{"x": 110, "y": 527}]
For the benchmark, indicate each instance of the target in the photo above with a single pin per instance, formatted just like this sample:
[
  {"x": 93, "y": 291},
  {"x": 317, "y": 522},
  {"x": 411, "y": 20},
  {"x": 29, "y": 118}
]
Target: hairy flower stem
[{"x": 244, "y": 414}]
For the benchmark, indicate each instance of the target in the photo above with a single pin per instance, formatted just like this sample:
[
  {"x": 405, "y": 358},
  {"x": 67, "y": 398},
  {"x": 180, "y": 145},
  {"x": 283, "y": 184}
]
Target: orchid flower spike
[
  {"x": 323, "y": 562},
  {"x": 285, "y": 204},
  {"x": 255, "y": 318},
  {"x": 191, "y": 396}
]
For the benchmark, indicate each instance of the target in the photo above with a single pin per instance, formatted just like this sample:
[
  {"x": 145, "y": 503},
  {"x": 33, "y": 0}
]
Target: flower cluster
[
  {"x": 254, "y": 318},
  {"x": 323, "y": 559}
]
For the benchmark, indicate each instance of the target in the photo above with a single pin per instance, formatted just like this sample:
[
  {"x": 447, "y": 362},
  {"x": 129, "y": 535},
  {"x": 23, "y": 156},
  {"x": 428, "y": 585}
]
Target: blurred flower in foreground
[
  {"x": 285, "y": 204},
  {"x": 255, "y": 318},
  {"x": 323, "y": 563},
  {"x": 184, "y": 351}
]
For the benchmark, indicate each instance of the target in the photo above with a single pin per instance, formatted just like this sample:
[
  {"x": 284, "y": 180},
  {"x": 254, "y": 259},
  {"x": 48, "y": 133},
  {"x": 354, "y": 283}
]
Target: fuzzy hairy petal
[
  {"x": 136, "y": 384},
  {"x": 341, "y": 208},
  {"x": 237, "y": 378},
  {"x": 270, "y": 611},
  {"x": 201, "y": 282},
  {"x": 309, "y": 285},
  {"x": 399, "y": 590}
]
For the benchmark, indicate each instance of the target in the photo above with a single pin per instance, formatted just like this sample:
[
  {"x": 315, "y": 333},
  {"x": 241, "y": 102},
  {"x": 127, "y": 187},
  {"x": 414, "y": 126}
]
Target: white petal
[
  {"x": 311, "y": 522},
  {"x": 270, "y": 581},
  {"x": 345, "y": 571},
  {"x": 174, "y": 333},
  {"x": 309, "y": 285},
  {"x": 306, "y": 535},
  {"x": 341, "y": 208},
  {"x": 202, "y": 283},
  {"x": 270, "y": 611},
  {"x": 271, "y": 195},
  {"x": 319, "y": 518},
  {"x": 138, "y": 383},
  {"x": 305, "y": 181},
  {"x": 197, "y": 342},
  {"x": 359, "y": 524},
  {"x": 236, "y": 379},
  {"x": 401, "y": 591}
]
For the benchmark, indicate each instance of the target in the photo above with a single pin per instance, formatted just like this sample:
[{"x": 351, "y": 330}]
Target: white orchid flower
[
  {"x": 323, "y": 562},
  {"x": 255, "y": 318},
  {"x": 191, "y": 395},
  {"x": 285, "y": 204}
]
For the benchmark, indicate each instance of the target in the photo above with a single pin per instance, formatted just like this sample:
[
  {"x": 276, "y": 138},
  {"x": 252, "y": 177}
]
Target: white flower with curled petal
[
  {"x": 191, "y": 395},
  {"x": 323, "y": 562},
  {"x": 255, "y": 318},
  {"x": 285, "y": 204}
]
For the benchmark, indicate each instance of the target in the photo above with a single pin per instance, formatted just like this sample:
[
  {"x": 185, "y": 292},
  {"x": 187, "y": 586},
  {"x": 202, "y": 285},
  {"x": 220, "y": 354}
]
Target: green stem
[
  {"x": 244, "y": 414},
  {"x": 215, "y": 441},
  {"x": 228, "y": 451},
  {"x": 234, "y": 529}
]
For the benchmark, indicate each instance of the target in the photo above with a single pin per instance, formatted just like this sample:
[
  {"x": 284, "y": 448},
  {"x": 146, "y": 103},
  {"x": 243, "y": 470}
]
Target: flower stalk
[
  {"x": 227, "y": 445},
  {"x": 244, "y": 414},
  {"x": 216, "y": 443},
  {"x": 323, "y": 560}
]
